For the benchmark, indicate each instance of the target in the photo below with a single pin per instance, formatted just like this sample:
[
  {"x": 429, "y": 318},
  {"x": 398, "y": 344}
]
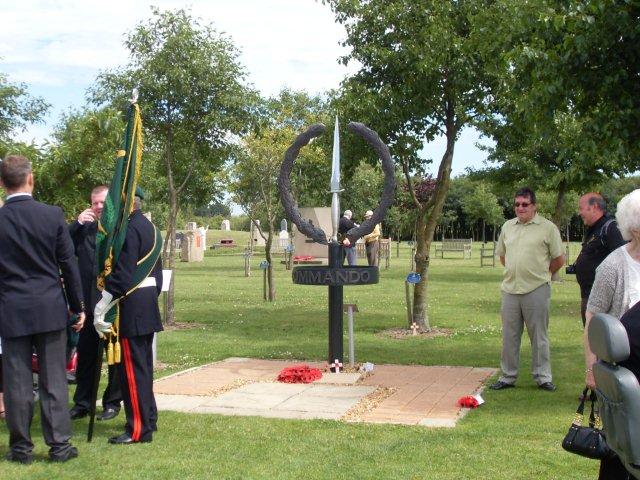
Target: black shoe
[
  {"x": 78, "y": 412},
  {"x": 548, "y": 386},
  {"x": 125, "y": 439},
  {"x": 69, "y": 453},
  {"x": 500, "y": 385},
  {"x": 23, "y": 458},
  {"x": 108, "y": 414}
]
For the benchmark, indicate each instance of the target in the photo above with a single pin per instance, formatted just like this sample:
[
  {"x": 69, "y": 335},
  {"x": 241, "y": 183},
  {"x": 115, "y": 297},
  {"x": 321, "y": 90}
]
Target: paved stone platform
[{"x": 402, "y": 394}]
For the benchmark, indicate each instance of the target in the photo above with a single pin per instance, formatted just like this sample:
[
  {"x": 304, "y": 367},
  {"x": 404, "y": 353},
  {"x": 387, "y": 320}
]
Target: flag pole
[{"x": 96, "y": 385}]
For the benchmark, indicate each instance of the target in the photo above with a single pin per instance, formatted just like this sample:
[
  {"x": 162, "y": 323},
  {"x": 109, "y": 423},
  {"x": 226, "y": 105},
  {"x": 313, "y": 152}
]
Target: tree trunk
[
  {"x": 271, "y": 286},
  {"x": 557, "y": 214},
  {"x": 483, "y": 232},
  {"x": 169, "y": 258},
  {"x": 422, "y": 245},
  {"x": 426, "y": 225}
]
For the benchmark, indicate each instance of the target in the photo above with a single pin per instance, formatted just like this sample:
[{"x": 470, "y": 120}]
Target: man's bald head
[{"x": 591, "y": 208}]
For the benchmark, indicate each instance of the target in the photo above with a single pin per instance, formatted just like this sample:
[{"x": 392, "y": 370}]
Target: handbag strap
[
  {"x": 592, "y": 415},
  {"x": 580, "y": 411},
  {"x": 594, "y": 418}
]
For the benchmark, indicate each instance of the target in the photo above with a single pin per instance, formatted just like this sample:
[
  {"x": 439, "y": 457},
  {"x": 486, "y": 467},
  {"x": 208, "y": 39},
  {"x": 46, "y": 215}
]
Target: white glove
[
  {"x": 101, "y": 326},
  {"x": 104, "y": 305}
]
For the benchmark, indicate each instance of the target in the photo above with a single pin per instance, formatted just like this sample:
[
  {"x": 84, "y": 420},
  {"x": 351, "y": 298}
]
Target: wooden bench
[
  {"x": 385, "y": 251},
  {"x": 455, "y": 245},
  {"x": 488, "y": 255}
]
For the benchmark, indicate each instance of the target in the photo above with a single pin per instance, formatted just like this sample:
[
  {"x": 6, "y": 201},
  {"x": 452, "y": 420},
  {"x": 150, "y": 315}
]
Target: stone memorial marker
[
  {"x": 305, "y": 246},
  {"x": 191, "y": 250},
  {"x": 225, "y": 226},
  {"x": 256, "y": 238},
  {"x": 335, "y": 275}
]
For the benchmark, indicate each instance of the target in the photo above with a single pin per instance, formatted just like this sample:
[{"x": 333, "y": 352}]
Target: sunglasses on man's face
[{"x": 523, "y": 204}]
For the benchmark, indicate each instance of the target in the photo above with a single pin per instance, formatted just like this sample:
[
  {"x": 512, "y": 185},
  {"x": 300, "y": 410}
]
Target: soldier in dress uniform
[{"x": 139, "y": 319}]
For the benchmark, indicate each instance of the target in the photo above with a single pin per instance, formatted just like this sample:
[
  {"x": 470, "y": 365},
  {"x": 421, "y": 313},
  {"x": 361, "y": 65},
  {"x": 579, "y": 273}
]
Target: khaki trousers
[{"x": 530, "y": 310}]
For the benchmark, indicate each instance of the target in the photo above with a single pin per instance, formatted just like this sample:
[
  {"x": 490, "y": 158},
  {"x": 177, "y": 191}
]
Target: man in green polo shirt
[{"x": 530, "y": 249}]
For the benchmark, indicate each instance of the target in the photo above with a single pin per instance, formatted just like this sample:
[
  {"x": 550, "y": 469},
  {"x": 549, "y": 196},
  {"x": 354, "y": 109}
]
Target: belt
[{"x": 148, "y": 282}]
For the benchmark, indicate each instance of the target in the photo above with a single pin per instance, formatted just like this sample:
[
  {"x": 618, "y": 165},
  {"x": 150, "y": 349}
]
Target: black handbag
[{"x": 588, "y": 441}]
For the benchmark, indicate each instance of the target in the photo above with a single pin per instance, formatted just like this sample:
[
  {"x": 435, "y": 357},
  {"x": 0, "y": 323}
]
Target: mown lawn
[{"x": 515, "y": 435}]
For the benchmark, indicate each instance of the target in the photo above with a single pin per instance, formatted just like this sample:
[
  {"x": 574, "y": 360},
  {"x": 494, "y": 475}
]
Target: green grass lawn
[{"x": 515, "y": 435}]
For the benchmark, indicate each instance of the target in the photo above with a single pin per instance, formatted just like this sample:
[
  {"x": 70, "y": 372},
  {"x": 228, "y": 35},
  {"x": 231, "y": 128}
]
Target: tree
[
  {"x": 364, "y": 186},
  {"x": 17, "y": 108},
  {"x": 547, "y": 206},
  {"x": 74, "y": 162},
  {"x": 560, "y": 90},
  {"x": 254, "y": 183},
  {"x": 193, "y": 104},
  {"x": 255, "y": 187},
  {"x": 483, "y": 205},
  {"x": 420, "y": 77}
]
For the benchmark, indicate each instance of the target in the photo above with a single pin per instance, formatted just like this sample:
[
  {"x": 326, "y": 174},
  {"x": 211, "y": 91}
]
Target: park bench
[
  {"x": 383, "y": 250},
  {"x": 455, "y": 245},
  {"x": 488, "y": 255}
]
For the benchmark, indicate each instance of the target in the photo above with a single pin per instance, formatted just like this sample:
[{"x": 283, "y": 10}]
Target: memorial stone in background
[{"x": 191, "y": 250}]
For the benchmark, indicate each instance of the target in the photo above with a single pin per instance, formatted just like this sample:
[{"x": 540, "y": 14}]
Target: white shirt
[
  {"x": 19, "y": 194},
  {"x": 634, "y": 278}
]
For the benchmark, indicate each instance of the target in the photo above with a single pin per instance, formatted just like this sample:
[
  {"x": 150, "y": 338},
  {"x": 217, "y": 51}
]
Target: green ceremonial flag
[{"x": 112, "y": 226}]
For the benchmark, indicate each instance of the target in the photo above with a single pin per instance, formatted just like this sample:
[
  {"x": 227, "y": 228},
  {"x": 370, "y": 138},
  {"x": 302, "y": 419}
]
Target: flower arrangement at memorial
[
  {"x": 468, "y": 401},
  {"x": 299, "y": 374}
]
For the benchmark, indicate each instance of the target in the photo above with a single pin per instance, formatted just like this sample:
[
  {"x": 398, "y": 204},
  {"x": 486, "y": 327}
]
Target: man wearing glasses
[{"x": 530, "y": 249}]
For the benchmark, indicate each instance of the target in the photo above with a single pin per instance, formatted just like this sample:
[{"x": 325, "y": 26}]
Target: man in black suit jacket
[
  {"x": 83, "y": 233},
  {"x": 139, "y": 320},
  {"x": 34, "y": 248}
]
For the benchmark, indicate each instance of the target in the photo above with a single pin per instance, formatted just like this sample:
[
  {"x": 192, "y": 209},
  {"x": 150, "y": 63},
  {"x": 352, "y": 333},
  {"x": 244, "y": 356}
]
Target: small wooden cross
[
  {"x": 336, "y": 365},
  {"x": 414, "y": 327}
]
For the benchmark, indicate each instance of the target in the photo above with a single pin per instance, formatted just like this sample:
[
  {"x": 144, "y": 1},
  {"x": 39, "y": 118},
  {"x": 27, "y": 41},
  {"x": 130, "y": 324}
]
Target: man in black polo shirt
[{"x": 600, "y": 239}]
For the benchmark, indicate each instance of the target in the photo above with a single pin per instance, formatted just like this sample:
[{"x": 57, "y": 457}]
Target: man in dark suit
[
  {"x": 83, "y": 233},
  {"x": 34, "y": 248},
  {"x": 139, "y": 320}
]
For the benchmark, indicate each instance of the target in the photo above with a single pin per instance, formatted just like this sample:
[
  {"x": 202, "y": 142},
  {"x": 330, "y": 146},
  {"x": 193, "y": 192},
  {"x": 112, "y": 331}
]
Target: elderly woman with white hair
[
  {"x": 616, "y": 287},
  {"x": 615, "y": 290}
]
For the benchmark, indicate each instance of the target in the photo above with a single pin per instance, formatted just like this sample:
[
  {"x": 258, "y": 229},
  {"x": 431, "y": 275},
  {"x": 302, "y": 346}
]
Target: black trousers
[
  {"x": 613, "y": 469},
  {"x": 52, "y": 386},
  {"x": 136, "y": 380},
  {"x": 88, "y": 344}
]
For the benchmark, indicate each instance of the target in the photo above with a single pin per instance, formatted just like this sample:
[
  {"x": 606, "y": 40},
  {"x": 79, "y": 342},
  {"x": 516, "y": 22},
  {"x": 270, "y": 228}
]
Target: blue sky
[{"x": 58, "y": 47}]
